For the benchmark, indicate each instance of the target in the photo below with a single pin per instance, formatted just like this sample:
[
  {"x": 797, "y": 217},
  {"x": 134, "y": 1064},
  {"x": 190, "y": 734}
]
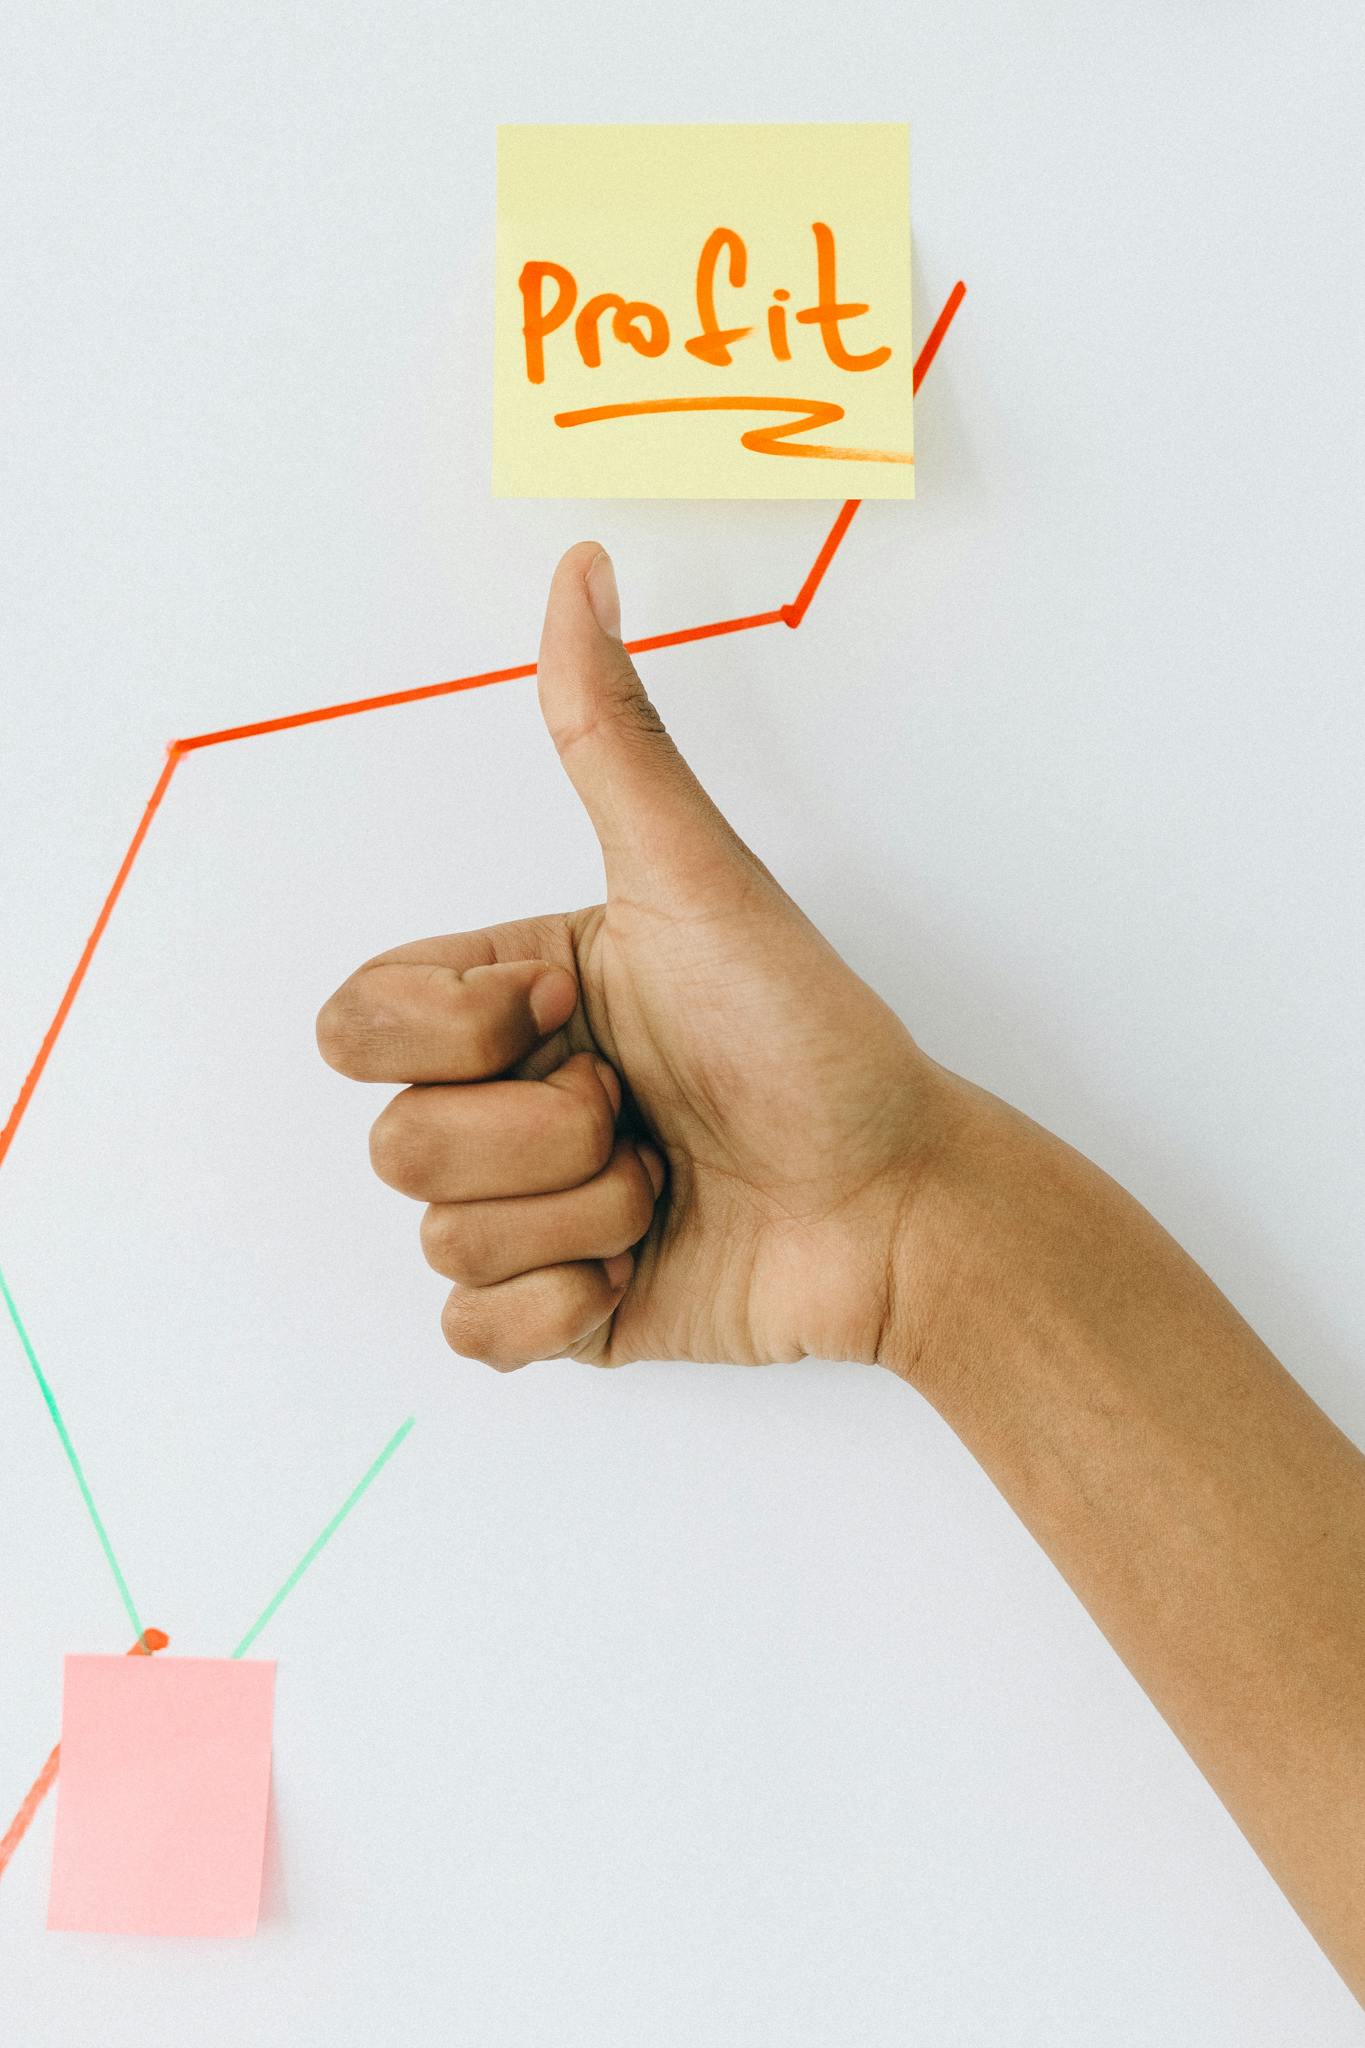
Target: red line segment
[
  {"x": 685, "y": 633},
  {"x": 787, "y": 615},
  {"x": 797, "y": 609},
  {"x": 53, "y": 1032},
  {"x": 934, "y": 338},
  {"x": 794, "y": 612},
  {"x": 475, "y": 682},
  {"x": 349, "y": 710}
]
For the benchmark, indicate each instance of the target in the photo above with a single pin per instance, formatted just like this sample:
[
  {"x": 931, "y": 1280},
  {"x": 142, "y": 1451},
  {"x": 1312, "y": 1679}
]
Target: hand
[{"x": 670, "y": 1125}]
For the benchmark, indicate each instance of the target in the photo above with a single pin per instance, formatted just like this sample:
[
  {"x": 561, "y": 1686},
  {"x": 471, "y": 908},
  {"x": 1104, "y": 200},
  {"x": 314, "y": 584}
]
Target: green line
[
  {"x": 338, "y": 1518},
  {"x": 55, "y": 1412},
  {"x": 50, "y": 1400}
]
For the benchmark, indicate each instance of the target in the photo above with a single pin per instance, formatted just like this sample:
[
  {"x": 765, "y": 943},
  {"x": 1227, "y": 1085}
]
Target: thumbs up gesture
[{"x": 672, "y": 1124}]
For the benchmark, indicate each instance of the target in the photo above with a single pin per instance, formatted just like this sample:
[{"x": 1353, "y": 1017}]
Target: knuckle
[
  {"x": 626, "y": 695},
  {"x": 578, "y": 1121},
  {"x": 398, "y": 1151},
  {"x": 471, "y": 1332},
  {"x": 335, "y": 1029},
  {"x": 638, "y": 715},
  {"x": 353, "y": 1029},
  {"x": 487, "y": 1042},
  {"x": 461, "y": 1325},
  {"x": 615, "y": 702},
  {"x": 455, "y": 1244},
  {"x": 483, "y": 1030},
  {"x": 436, "y": 1235}
]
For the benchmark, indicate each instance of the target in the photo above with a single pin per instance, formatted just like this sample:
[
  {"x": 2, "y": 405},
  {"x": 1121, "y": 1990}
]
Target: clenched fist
[{"x": 670, "y": 1125}]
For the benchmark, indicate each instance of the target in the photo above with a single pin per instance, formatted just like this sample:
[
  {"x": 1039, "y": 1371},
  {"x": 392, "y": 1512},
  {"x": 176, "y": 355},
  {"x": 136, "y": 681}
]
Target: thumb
[{"x": 657, "y": 827}]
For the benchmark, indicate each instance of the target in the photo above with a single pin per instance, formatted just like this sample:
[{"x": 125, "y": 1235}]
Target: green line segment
[
  {"x": 321, "y": 1541},
  {"x": 64, "y": 1433}
]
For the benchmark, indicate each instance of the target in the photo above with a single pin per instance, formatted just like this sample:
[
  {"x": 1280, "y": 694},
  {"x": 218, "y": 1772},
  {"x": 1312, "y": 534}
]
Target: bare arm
[{"x": 1204, "y": 1509}]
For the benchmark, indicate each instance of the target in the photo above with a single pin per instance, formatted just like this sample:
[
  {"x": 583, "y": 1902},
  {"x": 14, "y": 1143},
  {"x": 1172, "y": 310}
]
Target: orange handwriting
[{"x": 549, "y": 294}]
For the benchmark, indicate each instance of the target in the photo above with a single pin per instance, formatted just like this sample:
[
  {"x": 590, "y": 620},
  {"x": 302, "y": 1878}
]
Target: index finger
[{"x": 427, "y": 1020}]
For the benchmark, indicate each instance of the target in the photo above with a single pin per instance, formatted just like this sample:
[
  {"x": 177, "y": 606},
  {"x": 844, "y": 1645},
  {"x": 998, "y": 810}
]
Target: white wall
[{"x": 675, "y": 1706}]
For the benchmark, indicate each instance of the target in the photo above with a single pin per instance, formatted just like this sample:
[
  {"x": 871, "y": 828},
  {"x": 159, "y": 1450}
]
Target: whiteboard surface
[{"x": 679, "y": 1705}]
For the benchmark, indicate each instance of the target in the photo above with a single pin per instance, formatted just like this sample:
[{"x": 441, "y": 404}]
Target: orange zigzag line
[{"x": 785, "y": 615}]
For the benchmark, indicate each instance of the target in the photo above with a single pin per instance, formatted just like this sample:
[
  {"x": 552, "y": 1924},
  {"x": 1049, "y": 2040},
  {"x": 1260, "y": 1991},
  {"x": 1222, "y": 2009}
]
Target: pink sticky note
[{"x": 162, "y": 1795}]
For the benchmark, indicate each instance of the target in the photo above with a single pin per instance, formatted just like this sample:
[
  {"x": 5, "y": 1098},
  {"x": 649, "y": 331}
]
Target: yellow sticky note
[{"x": 703, "y": 311}]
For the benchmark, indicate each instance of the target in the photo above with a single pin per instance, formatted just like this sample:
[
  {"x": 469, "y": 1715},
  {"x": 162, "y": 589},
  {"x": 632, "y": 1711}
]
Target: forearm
[{"x": 1206, "y": 1512}]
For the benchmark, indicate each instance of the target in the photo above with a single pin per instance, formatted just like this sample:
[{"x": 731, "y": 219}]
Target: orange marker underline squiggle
[{"x": 809, "y": 413}]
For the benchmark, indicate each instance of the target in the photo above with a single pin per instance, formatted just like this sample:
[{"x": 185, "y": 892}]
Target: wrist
[
  {"x": 1024, "y": 1280},
  {"x": 958, "y": 1271}
]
